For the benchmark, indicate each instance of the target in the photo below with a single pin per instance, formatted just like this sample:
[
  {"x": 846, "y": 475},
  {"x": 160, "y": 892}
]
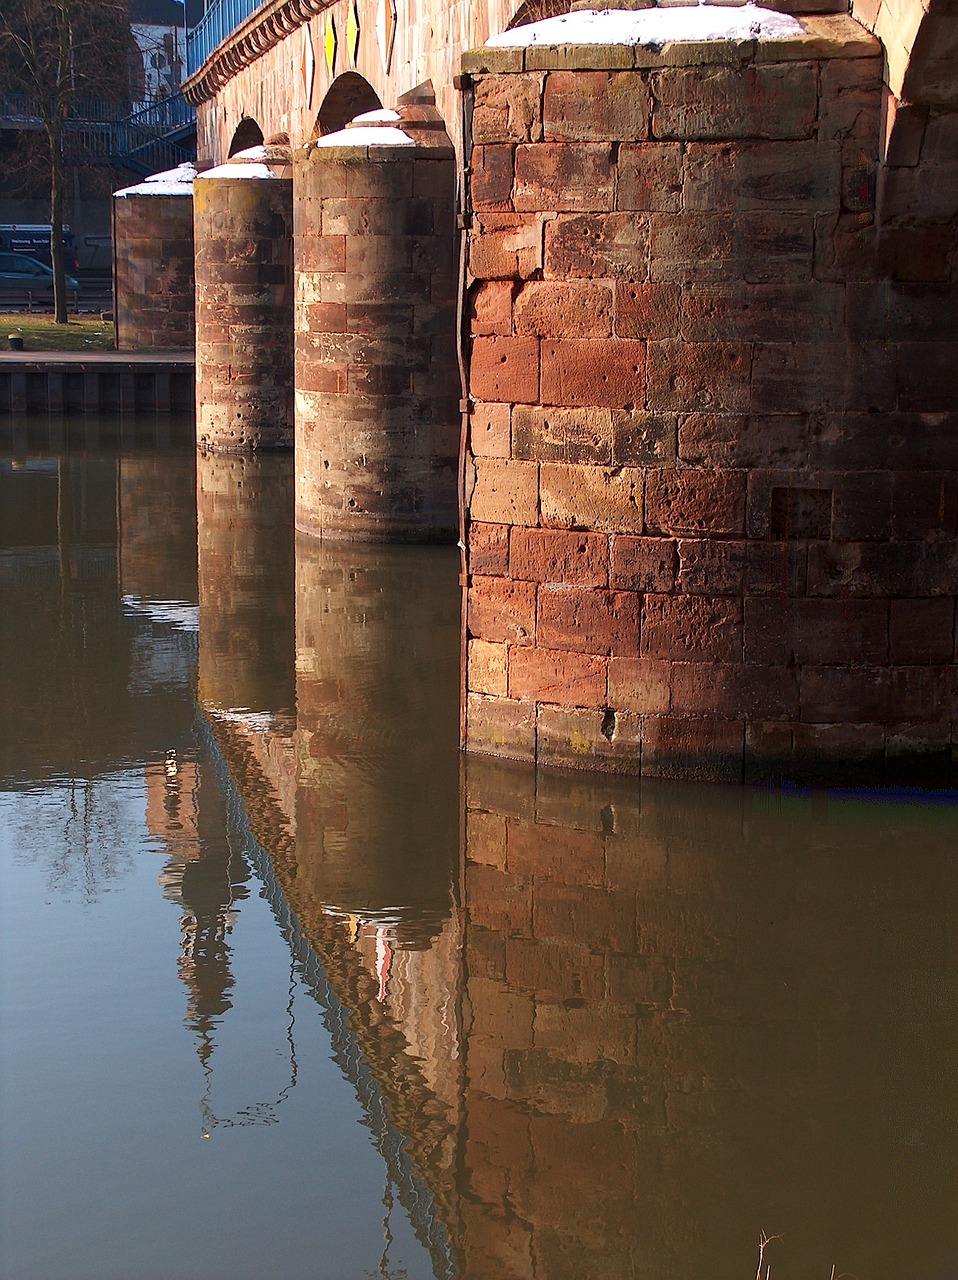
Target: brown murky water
[{"x": 289, "y": 990}]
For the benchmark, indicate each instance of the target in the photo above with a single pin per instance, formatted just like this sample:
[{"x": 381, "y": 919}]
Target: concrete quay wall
[{"x": 712, "y": 471}]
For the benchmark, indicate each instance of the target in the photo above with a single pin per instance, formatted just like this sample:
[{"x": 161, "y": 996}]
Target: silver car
[{"x": 20, "y": 275}]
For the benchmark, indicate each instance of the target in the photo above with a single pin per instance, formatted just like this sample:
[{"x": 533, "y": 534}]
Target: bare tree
[{"x": 57, "y": 52}]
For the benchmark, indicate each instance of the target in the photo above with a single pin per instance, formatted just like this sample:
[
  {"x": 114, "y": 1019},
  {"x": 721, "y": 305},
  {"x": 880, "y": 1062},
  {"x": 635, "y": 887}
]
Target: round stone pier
[
  {"x": 244, "y": 303},
  {"x": 377, "y": 386}
]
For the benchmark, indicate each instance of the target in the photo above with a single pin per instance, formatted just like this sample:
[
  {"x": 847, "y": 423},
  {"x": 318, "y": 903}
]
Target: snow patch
[
  {"x": 375, "y": 117},
  {"x": 172, "y": 182},
  {"x": 655, "y": 27},
  {"x": 366, "y": 136},
  {"x": 229, "y": 170}
]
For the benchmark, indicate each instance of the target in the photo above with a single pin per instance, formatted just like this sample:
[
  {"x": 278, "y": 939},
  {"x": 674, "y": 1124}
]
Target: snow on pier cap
[
  {"x": 172, "y": 182},
  {"x": 654, "y": 27}
]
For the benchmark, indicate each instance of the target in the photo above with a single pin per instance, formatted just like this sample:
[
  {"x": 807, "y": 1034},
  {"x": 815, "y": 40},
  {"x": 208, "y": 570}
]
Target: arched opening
[
  {"x": 248, "y": 134},
  {"x": 349, "y": 95}
]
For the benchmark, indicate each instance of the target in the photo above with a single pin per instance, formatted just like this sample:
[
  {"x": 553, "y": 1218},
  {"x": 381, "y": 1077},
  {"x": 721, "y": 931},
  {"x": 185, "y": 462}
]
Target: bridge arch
[
  {"x": 349, "y": 95},
  {"x": 246, "y": 134}
]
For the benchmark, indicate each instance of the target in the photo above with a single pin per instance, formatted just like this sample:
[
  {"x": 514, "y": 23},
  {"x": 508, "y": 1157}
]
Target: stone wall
[
  {"x": 714, "y": 439},
  {"x": 153, "y": 253},
  {"x": 284, "y": 75}
]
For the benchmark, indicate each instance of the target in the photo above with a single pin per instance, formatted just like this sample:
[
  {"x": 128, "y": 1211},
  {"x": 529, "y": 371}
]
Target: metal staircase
[{"x": 157, "y": 136}]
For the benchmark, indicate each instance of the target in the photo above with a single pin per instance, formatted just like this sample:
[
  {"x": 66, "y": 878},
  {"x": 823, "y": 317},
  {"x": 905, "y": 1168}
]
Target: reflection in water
[
  {"x": 595, "y": 1028},
  {"x": 702, "y": 1013}
]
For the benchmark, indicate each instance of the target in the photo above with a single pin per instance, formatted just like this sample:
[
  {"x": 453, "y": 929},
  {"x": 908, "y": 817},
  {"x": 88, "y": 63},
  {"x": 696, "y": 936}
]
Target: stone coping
[
  {"x": 55, "y": 361},
  {"x": 824, "y": 36}
]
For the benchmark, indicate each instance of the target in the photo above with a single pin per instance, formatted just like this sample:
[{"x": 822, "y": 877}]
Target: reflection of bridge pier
[
  {"x": 244, "y": 507},
  {"x": 645, "y": 1024},
  {"x": 693, "y": 1017}
]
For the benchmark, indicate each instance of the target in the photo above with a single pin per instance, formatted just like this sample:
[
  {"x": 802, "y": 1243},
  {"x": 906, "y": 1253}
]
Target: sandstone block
[
  {"x": 641, "y": 439},
  {"x": 646, "y": 310},
  {"x": 734, "y": 690},
  {"x": 649, "y": 176},
  {"x": 505, "y": 246},
  {"x": 507, "y": 109},
  {"x": 643, "y": 564},
  {"x": 926, "y": 376},
  {"x": 702, "y": 103},
  {"x": 713, "y": 376},
  {"x": 562, "y": 435},
  {"x": 564, "y": 177},
  {"x": 488, "y": 668},
  {"x": 796, "y": 176},
  {"x": 588, "y": 372},
  {"x": 505, "y": 370},
  {"x": 554, "y": 676},
  {"x": 708, "y": 750},
  {"x": 904, "y": 694},
  {"x": 924, "y": 505},
  {"x": 583, "y": 621},
  {"x": 862, "y": 569},
  {"x": 687, "y": 628},
  {"x": 489, "y": 431},
  {"x": 592, "y": 106},
  {"x": 490, "y": 309},
  {"x": 698, "y": 248},
  {"x": 488, "y": 549},
  {"x": 505, "y": 492},
  {"x": 788, "y": 632},
  {"x": 501, "y": 727},
  {"x": 799, "y": 377},
  {"x": 641, "y": 685},
  {"x": 922, "y": 631},
  {"x": 554, "y": 556},
  {"x": 589, "y": 739},
  {"x": 607, "y": 500},
  {"x": 681, "y": 501},
  {"x": 491, "y": 176},
  {"x": 915, "y": 253},
  {"x": 501, "y": 610},
  {"x": 611, "y": 246},
  {"x": 737, "y": 440},
  {"x": 569, "y": 309},
  {"x": 763, "y": 312}
]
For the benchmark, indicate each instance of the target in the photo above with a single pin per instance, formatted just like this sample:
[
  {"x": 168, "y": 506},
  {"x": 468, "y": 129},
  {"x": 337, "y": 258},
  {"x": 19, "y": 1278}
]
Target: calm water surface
[{"x": 290, "y": 991}]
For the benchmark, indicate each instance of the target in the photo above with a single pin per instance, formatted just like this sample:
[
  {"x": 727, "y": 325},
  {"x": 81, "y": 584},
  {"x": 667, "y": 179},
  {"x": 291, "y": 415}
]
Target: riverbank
[{"x": 42, "y": 333}]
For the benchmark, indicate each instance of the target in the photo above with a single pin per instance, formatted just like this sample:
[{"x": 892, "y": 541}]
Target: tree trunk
[{"x": 56, "y": 227}]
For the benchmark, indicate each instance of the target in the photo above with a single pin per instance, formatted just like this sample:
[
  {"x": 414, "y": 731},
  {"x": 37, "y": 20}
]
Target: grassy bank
[{"x": 39, "y": 333}]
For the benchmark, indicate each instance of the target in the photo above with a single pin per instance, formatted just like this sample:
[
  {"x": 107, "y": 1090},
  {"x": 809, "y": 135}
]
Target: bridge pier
[
  {"x": 153, "y": 263},
  {"x": 712, "y": 528},
  {"x": 244, "y": 303},
  {"x": 377, "y": 386}
]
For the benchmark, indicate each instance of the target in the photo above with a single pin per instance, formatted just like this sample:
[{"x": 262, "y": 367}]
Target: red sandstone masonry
[
  {"x": 153, "y": 241},
  {"x": 713, "y": 447},
  {"x": 377, "y": 390}
]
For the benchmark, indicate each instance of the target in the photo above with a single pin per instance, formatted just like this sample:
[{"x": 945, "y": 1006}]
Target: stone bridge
[{"x": 699, "y": 440}]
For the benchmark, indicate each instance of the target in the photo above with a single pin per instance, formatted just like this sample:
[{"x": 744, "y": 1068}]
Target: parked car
[
  {"x": 21, "y": 275},
  {"x": 33, "y": 239}
]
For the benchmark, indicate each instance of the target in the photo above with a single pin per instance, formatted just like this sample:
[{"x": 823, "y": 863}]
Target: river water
[{"x": 290, "y": 990}]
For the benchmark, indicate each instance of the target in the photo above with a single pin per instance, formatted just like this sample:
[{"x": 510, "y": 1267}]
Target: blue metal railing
[
  {"x": 220, "y": 19},
  {"x": 145, "y": 141}
]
